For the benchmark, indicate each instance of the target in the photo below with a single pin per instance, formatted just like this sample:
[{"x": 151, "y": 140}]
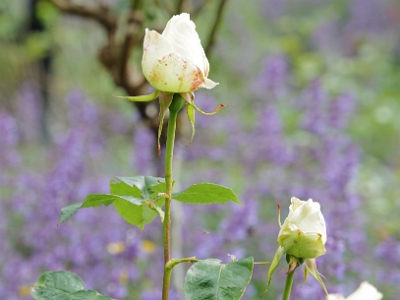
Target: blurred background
[{"x": 313, "y": 94}]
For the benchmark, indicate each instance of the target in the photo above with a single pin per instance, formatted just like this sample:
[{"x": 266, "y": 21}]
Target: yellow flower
[
  {"x": 148, "y": 246},
  {"x": 116, "y": 248}
]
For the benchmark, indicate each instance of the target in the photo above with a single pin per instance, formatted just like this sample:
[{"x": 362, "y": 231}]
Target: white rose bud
[
  {"x": 365, "y": 291},
  {"x": 303, "y": 234},
  {"x": 174, "y": 61},
  {"x": 302, "y": 238}
]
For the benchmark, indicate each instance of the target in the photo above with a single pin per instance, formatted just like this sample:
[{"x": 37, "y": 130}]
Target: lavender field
[{"x": 312, "y": 90}]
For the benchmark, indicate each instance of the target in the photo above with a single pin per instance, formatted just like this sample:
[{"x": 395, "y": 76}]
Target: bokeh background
[{"x": 313, "y": 94}]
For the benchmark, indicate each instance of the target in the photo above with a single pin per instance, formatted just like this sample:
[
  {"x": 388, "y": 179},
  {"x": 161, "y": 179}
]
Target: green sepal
[
  {"x": 211, "y": 280},
  {"x": 311, "y": 267},
  {"x": 274, "y": 266},
  {"x": 165, "y": 100},
  {"x": 191, "y": 117},
  {"x": 141, "y": 98},
  {"x": 206, "y": 193}
]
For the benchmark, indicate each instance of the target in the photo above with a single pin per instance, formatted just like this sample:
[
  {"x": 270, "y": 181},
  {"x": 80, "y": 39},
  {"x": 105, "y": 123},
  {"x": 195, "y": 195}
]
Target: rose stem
[
  {"x": 177, "y": 103},
  {"x": 288, "y": 285}
]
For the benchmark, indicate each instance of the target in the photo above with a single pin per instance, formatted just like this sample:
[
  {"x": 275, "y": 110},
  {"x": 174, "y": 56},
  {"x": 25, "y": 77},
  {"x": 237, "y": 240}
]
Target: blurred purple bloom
[
  {"x": 9, "y": 139},
  {"x": 29, "y": 111},
  {"x": 273, "y": 80}
]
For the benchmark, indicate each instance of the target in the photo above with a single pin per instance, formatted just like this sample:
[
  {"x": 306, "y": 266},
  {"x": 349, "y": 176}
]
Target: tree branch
[
  {"x": 133, "y": 36},
  {"x": 100, "y": 13},
  {"x": 179, "y": 6},
  {"x": 196, "y": 10},
  {"x": 214, "y": 29}
]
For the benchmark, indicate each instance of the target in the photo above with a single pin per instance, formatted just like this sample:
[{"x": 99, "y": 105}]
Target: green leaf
[
  {"x": 135, "y": 215},
  {"x": 141, "y": 188},
  {"x": 87, "y": 295},
  {"x": 128, "y": 195},
  {"x": 145, "y": 187},
  {"x": 93, "y": 200},
  {"x": 206, "y": 193},
  {"x": 63, "y": 285},
  {"x": 68, "y": 211},
  {"x": 211, "y": 280},
  {"x": 56, "y": 285}
]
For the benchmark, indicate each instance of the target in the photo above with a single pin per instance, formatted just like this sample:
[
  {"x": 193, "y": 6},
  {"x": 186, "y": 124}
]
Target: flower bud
[
  {"x": 303, "y": 234},
  {"x": 174, "y": 61}
]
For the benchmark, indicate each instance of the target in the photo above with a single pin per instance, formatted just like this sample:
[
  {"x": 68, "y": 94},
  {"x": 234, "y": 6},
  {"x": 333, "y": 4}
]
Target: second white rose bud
[{"x": 303, "y": 233}]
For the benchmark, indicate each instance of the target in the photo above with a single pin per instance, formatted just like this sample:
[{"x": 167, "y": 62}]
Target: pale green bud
[{"x": 303, "y": 234}]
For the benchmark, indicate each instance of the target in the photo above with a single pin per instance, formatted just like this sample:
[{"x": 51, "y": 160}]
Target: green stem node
[{"x": 173, "y": 262}]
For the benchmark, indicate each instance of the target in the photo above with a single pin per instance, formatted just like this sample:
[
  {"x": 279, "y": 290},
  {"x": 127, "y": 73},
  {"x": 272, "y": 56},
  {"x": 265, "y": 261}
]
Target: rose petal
[
  {"x": 366, "y": 291},
  {"x": 175, "y": 61},
  {"x": 181, "y": 33},
  {"x": 166, "y": 70},
  {"x": 308, "y": 217}
]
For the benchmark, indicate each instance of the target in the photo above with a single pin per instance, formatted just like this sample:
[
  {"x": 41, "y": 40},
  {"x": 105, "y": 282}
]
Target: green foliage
[
  {"x": 87, "y": 295},
  {"x": 56, "y": 284},
  {"x": 68, "y": 211},
  {"x": 128, "y": 195},
  {"x": 63, "y": 285},
  {"x": 211, "y": 280},
  {"x": 206, "y": 193},
  {"x": 140, "y": 188}
]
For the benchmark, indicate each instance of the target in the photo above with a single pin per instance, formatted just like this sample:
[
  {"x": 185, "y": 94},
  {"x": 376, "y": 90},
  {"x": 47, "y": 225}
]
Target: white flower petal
[
  {"x": 181, "y": 33},
  {"x": 335, "y": 297},
  {"x": 174, "y": 75},
  {"x": 308, "y": 217},
  {"x": 366, "y": 291},
  {"x": 175, "y": 61},
  {"x": 303, "y": 233},
  {"x": 209, "y": 84}
]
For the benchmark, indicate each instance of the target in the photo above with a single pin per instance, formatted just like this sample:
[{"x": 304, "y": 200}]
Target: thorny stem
[{"x": 177, "y": 103}]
